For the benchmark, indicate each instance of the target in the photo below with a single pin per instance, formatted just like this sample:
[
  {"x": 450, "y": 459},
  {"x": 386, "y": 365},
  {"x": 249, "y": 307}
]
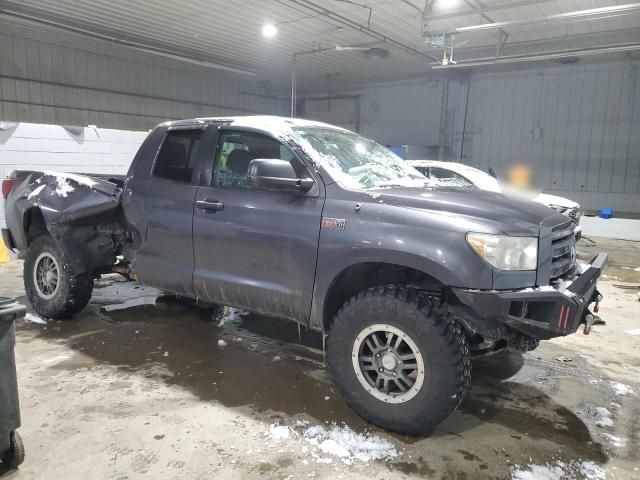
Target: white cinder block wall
[{"x": 31, "y": 146}]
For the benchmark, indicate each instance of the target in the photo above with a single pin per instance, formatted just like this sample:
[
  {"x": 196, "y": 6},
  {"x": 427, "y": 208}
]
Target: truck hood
[
  {"x": 509, "y": 215},
  {"x": 546, "y": 199}
]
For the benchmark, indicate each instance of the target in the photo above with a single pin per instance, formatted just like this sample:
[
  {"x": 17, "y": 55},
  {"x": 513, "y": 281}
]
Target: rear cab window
[{"x": 178, "y": 155}]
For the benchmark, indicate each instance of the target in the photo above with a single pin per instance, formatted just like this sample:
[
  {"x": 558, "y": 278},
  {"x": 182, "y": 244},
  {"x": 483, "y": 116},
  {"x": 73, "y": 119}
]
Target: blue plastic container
[{"x": 606, "y": 213}]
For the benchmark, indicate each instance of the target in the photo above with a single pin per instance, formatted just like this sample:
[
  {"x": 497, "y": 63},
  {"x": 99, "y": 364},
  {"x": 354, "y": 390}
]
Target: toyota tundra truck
[{"x": 406, "y": 279}]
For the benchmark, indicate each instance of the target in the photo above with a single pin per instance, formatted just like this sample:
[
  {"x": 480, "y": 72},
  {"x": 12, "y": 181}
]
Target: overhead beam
[
  {"x": 357, "y": 26},
  {"x": 578, "y": 14},
  {"x": 540, "y": 57},
  {"x": 594, "y": 39},
  {"x": 482, "y": 10}
]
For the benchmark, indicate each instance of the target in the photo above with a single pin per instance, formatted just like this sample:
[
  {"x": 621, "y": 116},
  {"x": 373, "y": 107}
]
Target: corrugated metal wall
[
  {"x": 578, "y": 125},
  {"x": 403, "y": 113},
  {"x": 341, "y": 111},
  {"x": 47, "y": 83}
]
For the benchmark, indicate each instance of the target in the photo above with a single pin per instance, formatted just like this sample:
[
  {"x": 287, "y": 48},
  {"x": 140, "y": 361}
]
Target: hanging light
[
  {"x": 447, "y": 3},
  {"x": 269, "y": 30}
]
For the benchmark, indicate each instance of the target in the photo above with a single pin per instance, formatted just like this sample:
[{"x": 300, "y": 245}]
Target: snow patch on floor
[
  {"x": 621, "y": 389},
  {"x": 603, "y": 417},
  {"x": 335, "y": 441},
  {"x": 559, "y": 471},
  {"x": 592, "y": 471},
  {"x": 349, "y": 446},
  {"x": 278, "y": 432},
  {"x": 538, "y": 472},
  {"x": 33, "y": 318},
  {"x": 613, "y": 440}
]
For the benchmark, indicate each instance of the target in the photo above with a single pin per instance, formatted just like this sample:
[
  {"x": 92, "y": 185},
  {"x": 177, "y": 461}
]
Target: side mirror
[
  {"x": 492, "y": 172},
  {"x": 274, "y": 174}
]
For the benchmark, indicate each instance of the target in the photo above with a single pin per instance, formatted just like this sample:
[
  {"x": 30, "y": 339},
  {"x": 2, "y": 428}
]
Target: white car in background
[{"x": 461, "y": 175}]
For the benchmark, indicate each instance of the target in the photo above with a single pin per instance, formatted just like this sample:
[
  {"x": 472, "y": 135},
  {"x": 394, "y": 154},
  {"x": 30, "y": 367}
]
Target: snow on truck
[{"x": 305, "y": 221}]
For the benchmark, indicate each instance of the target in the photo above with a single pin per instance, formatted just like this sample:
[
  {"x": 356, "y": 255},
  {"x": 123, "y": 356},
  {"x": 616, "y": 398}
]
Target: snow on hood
[{"x": 546, "y": 199}]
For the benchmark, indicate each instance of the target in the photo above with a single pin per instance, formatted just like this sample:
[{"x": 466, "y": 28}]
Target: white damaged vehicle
[{"x": 461, "y": 175}]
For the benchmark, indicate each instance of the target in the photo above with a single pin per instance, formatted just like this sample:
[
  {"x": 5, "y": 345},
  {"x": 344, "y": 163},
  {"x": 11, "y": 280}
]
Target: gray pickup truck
[{"x": 300, "y": 220}]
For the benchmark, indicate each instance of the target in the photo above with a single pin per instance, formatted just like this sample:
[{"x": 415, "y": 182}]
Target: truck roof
[{"x": 269, "y": 123}]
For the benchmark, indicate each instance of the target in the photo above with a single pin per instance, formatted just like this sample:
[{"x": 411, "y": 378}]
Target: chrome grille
[{"x": 563, "y": 248}]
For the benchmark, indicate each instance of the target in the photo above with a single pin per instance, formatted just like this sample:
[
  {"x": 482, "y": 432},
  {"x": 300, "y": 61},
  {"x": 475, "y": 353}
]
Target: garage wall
[
  {"x": 341, "y": 111},
  {"x": 408, "y": 113},
  {"x": 578, "y": 125},
  {"x": 47, "y": 83},
  {"x": 402, "y": 114}
]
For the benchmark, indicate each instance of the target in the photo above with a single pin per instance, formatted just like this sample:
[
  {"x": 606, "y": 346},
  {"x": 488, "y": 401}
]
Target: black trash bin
[{"x": 11, "y": 447}]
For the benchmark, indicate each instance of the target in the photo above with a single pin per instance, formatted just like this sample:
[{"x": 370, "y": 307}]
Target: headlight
[
  {"x": 504, "y": 252},
  {"x": 558, "y": 208}
]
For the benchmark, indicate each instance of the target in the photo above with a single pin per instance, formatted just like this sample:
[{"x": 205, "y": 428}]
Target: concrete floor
[
  {"x": 618, "y": 228},
  {"x": 139, "y": 388}
]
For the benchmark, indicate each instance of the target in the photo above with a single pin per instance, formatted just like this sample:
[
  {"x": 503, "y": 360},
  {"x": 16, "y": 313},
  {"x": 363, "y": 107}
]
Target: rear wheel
[
  {"x": 53, "y": 289},
  {"x": 399, "y": 362}
]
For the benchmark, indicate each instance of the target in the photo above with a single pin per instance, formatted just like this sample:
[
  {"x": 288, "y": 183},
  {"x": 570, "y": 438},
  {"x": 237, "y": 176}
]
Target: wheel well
[
  {"x": 34, "y": 224},
  {"x": 360, "y": 277}
]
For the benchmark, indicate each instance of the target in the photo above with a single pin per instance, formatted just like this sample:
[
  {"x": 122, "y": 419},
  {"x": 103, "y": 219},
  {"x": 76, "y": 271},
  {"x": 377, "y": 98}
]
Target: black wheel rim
[
  {"x": 388, "y": 363},
  {"x": 46, "y": 275}
]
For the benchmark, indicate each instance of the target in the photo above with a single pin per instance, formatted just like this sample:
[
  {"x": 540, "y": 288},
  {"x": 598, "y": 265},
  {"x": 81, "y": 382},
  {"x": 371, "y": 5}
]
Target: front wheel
[
  {"x": 52, "y": 287},
  {"x": 399, "y": 362}
]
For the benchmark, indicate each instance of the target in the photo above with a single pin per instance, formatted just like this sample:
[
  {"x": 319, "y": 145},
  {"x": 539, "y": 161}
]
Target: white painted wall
[{"x": 30, "y": 146}]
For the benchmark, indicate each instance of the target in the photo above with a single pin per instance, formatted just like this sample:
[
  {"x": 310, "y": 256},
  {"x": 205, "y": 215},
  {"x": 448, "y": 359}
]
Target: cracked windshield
[{"x": 358, "y": 162}]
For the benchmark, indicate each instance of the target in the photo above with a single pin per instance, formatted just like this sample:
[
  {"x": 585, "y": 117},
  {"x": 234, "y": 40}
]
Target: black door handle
[{"x": 210, "y": 205}]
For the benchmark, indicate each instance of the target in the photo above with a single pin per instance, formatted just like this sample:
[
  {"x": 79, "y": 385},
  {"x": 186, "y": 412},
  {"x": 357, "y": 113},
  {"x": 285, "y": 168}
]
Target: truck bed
[
  {"x": 64, "y": 196},
  {"x": 80, "y": 211}
]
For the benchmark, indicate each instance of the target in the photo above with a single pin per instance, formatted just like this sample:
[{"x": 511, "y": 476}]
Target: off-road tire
[
  {"x": 440, "y": 340},
  {"x": 73, "y": 291},
  {"x": 13, "y": 458}
]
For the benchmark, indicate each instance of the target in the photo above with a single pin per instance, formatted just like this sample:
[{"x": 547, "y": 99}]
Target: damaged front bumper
[{"x": 541, "y": 313}]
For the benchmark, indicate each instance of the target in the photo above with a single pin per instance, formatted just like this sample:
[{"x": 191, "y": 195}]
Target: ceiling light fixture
[
  {"x": 269, "y": 30},
  {"x": 447, "y": 3}
]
